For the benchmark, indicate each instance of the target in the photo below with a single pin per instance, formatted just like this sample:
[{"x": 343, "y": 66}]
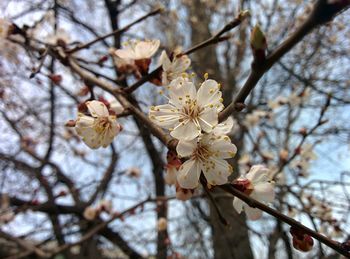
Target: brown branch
[
  {"x": 291, "y": 222},
  {"x": 212, "y": 40},
  {"x": 26, "y": 245},
  {"x": 321, "y": 14},
  {"x": 116, "y": 32}
]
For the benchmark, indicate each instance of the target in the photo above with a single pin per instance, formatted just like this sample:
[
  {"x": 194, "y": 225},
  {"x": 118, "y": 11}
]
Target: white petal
[
  {"x": 238, "y": 205},
  {"x": 164, "y": 61},
  {"x": 116, "y": 106},
  {"x": 186, "y": 130},
  {"x": 180, "y": 90},
  {"x": 170, "y": 175},
  {"x": 106, "y": 139},
  {"x": 97, "y": 109},
  {"x": 91, "y": 139},
  {"x": 208, "y": 119},
  {"x": 180, "y": 64},
  {"x": 125, "y": 54},
  {"x": 223, "y": 148},
  {"x": 209, "y": 94},
  {"x": 257, "y": 174},
  {"x": 252, "y": 213},
  {"x": 216, "y": 171},
  {"x": 224, "y": 128},
  {"x": 146, "y": 49},
  {"x": 186, "y": 148},
  {"x": 166, "y": 116},
  {"x": 264, "y": 192},
  {"x": 84, "y": 121},
  {"x": 188, "y": 174}
]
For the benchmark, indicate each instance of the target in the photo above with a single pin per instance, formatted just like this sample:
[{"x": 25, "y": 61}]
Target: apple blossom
[
  {"x": 100, "y": 128},
  {"x": 256, "y": 184},
  {"x": 189, "y": 111},
  {"x": 173, "y": 69},
  {"x": 206, "y": 154}
]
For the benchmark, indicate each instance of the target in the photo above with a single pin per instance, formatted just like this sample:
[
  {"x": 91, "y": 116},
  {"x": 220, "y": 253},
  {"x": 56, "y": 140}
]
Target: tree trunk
[{"x": 228, "y": 241}]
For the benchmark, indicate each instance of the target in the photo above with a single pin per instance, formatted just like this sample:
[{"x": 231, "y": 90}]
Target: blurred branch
[
  {"x": 321, "y": 14},
  {"x": 118, "y": 31}
]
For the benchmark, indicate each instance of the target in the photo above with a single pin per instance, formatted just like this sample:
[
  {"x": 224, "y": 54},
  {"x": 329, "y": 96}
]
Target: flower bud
[
  {"x": 258, "y": 44},
  {"x": 70, "y": 123},
  {"x": 90, "y": 213},
  {"x": 162, "y": 224},
  {"x": 301, "y": 241},
  {"x": 243, "y": 15},
  {"x": 57, "y": 79}
]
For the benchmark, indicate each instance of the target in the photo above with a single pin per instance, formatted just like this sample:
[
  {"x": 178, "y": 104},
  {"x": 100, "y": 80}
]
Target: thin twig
[{"x": 116, "y": 32}]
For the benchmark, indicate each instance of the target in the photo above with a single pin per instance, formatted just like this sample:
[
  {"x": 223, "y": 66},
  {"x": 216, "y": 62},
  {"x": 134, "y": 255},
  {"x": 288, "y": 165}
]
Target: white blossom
[
  {"x": 173, "y": 69},
  {"x": 296, "y": 99},
  {"x": 252, "y": 119},
  {"x": 137, "y": 50},
  {"x": 105, "y": 205},
  {"x": 257, "y": 185},
  {"x": 170, "y": 175},
  {"x": 188, "y": 111},
  {"x": 183, "y": 194},
  {"x": 134, "y": 172},
  {"x": 100, "y": 128},
  {"x": 5, "y": 26},
  {"x": 162, "y": 224},
  {"x": 115, "y": 106},
  {"x": 90, "y": 213},
  {"x": 277, "y": 102},
  {"x": 206, "y": 154}
]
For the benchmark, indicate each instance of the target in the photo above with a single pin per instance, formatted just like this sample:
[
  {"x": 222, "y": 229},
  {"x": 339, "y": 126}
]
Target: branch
[
  {"x": 321, "y": 14},
  {"x": 291, "y": 222},
  {"x": 212, "y": 40},
  {"x": 116, "y": 32}
]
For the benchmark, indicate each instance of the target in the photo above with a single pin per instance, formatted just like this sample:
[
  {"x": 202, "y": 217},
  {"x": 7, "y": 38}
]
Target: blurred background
[{"x": 296, "y": 123}]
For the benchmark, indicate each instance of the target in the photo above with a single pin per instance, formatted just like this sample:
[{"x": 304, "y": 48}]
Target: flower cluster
[
  {"x": 90, "y": 213},
  {"x": 191, "y": 116}
]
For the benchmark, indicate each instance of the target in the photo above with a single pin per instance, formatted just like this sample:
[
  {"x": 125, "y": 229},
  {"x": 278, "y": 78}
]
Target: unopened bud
[
  {"x": 57, "y": 79},
  {"x": 258, "y": 44},
  {"x": 257, "y": 39},
  {"x": 70, "y": 123},
  {"x": 243, "y": 15},
  {"x": 284, "y": 154},
  {"x": 301, "y": 241},
  {"x": 162, "y": 224}
]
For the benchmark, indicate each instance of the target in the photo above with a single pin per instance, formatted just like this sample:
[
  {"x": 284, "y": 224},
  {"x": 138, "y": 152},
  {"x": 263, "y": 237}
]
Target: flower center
[
  {"x": 102, "y": 124},
  {"x": 191, "y": 110},
  {"x": 202, "y": 153}
]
